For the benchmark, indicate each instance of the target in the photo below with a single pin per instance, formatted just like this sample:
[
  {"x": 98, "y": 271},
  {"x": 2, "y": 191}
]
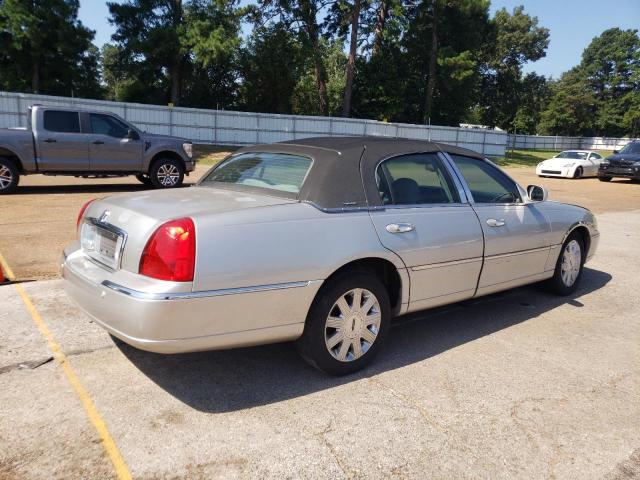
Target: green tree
[
  {"x": 601, "y": 95},
  {"x": 169, "y": 47},
  {"x": 270, "y": 66},
  {"x": 513, "y": 39},
  {"x": 46, "y": 49}
]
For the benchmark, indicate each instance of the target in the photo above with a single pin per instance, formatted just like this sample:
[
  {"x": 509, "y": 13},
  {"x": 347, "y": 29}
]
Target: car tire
[
  {"x": 9, "y": 176},
  {"x": 569, "y": 266},
  {"x": 144, "y": 179},
  {"x": 605, "y": 179},
  {"x": 166, "y": 173},
  {"x": 578, "y": 173},
  {"x": 341, "y": 342}
]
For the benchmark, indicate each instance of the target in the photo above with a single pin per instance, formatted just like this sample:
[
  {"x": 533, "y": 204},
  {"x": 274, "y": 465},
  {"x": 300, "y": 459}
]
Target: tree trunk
[
  {"x": 353, "y": 47},
  {"x": 175, "y": 75},
  {"x": 433, "y": 62},
  {"x": 381, "y": 20},
  {"x": 175, "y": 70},
  {"x": 318, "y": 67},
  {"x": 35, "y": 76}
]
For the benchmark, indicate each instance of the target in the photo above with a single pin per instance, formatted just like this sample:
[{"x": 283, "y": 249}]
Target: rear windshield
[
  {"x": 574, "y": 155},
  {"x": 272, "y": 171}
]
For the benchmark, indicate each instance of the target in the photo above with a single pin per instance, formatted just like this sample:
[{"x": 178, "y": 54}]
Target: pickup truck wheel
[
  {"x": 166, "y": 173},
  {"x": 9, "y": 176},
  {"x": 569, "y": 266},
  {"x": 347, "y": 324},
  {"x": 142, "y": 178}
]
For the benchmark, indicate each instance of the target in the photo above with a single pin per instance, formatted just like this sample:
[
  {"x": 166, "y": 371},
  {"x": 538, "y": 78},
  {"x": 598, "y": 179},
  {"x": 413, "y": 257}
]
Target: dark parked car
[{"x": 624, "y": 163}]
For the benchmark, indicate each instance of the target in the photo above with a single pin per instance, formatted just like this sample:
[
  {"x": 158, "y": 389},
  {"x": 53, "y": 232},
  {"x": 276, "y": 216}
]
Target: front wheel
[
  {"x": 9, "y": 176},
  {"x": 578, "y": 173},
  {"x": 167, "y": 173},
  {"x": 569, "y": 266},
  {"x": 347, "y": 324}
]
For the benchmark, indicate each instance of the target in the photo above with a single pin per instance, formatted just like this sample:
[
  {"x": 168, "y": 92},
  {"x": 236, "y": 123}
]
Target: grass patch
[
  {"x": 211, "y": 154},
  {"x": 530, "y": 158}
]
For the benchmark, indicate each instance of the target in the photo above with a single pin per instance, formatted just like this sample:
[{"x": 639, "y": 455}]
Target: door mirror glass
[
  {"x": 537, "y": 193},
  {"x": 132, "y": 134}
]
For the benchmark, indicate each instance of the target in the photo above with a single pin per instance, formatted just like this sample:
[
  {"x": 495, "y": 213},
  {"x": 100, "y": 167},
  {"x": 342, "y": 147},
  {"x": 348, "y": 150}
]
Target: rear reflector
[{"x": 170, "y": 253}]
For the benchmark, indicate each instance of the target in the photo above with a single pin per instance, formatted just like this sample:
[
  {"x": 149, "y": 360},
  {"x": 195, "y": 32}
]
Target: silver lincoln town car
[{"x": 321, "y": 241}]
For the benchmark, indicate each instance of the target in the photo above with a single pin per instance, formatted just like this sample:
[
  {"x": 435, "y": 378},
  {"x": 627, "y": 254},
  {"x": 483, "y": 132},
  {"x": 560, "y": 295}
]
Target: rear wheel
[
  {"x": 167, "y": 173},
  {"x": 569, "y": 266},
  {"x": 347, "y": 324},
  {"x": 9, "y": 176},
  {"x": 604, "y": 179},
  {"x": 578, "y": 173}
]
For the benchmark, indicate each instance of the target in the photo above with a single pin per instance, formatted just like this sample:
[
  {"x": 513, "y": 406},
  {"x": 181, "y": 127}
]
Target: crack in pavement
[{"x": 33, "y": 364}]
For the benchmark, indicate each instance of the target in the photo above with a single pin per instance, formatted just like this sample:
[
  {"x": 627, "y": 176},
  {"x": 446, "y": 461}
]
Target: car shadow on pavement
[{"x": 230, "y": 380}]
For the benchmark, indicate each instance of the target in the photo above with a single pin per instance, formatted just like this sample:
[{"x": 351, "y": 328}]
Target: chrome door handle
[
  {"x": 400, "y": 227},
  {"x": 492, "y": 222}
]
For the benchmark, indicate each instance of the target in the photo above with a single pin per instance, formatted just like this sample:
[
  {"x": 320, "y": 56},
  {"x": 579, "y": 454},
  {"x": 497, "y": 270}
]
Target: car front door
[
  {"x": 110, "y": 147},
  {"x": 424, "y": 217},
  {"x": 516, "y": 233},
  {"x": 61, "y": 144}
]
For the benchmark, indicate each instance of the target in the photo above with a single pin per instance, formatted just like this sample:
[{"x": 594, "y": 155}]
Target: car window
[
  {"x": 633, "y": 147},
  {"x": 596, "y": 156},
  {"x": 108, "y": 125},
  {"x": 272, "y": 171},
  {"x": 572, "y": 155},
  {"x": 414, "y": 180},
  {"x": 486, "y": 182},
  {"x": 60, "y": 121}
]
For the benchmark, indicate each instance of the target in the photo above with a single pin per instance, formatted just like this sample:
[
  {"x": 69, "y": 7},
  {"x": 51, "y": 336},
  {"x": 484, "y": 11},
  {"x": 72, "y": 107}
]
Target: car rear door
[
  {"x": 60, "y": 142},
  {"x": 423, "y": 217},
  {"x": 517, "y": 240},
  {"x": 110, "y": 148}
]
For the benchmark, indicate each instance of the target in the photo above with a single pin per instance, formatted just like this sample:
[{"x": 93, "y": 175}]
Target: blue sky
[{"x": 572, "y": 24}]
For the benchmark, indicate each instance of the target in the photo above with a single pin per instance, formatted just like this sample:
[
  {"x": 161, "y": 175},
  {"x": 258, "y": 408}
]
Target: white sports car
[{"x": 571, "y": 164}]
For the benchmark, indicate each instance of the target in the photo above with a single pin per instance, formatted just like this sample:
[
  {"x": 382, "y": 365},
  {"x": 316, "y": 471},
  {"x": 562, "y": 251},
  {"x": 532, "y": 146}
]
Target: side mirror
[
  {"x": 616, "y": 151},
  {"x": 132, "y": 134},
  {"x": 537, "y": 193}
]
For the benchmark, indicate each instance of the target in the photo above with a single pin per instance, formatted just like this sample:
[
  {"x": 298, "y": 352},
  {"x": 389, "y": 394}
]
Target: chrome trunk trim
[{"x": 205, "y": 293}]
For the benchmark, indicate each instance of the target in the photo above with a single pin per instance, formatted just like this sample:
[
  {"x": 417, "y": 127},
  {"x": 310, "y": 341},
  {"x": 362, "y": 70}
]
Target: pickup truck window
[
  {"x": 107, "y": 125},
  {"x": 61, "y": 121}
]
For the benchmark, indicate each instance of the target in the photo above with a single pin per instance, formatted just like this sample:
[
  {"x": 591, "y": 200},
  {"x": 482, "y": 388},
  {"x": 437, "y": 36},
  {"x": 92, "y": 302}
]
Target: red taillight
[
  {"x": 170, "y": 253},
  {"x": 81, "y": 214}
]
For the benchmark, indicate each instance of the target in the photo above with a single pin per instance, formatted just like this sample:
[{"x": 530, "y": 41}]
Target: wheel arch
[
  {"x": 382, "y": 268},
  {"x": 10, "y": 154},
  {"x": 582, "y": 230},
  {"x": 163, "y": 154}
]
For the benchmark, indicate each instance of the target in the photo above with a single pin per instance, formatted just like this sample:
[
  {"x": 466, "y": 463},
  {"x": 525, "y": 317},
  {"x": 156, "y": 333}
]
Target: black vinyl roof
[{"x": 342, "y": 175}]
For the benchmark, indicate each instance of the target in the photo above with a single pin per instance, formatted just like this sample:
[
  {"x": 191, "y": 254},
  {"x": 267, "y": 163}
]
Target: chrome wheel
[
  {"x": 6, "y": 177},
  {"x": 168, "y": 175},
  {"x": 352, "y": 326},
  {"x": 571, "y": 262}
]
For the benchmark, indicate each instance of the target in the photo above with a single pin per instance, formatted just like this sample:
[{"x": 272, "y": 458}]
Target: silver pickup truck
[{"x": 63, "y": 141}]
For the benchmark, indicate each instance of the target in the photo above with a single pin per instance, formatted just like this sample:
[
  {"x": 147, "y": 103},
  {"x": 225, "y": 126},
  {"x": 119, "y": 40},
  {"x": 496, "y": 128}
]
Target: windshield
[
  {"x": 633, "y": 147},
  {"x": 272, "y": 171},
  {"x": 574, "y": 155}
]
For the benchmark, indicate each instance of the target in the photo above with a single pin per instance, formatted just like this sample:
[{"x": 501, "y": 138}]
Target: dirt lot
[{"x": 516, "y": 385}]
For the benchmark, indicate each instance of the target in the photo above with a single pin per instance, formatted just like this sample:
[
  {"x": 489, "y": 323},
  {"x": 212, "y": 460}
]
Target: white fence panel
[
  {"x": 245, "y": 128},
  {"x": 541, "y": 142}
]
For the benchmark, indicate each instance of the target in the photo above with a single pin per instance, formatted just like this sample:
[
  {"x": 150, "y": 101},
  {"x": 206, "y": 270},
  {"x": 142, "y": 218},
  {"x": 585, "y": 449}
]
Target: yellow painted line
[{"x": 120, "y": 466}]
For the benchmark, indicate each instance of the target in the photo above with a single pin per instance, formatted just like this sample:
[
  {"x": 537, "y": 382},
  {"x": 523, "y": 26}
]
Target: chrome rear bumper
[{"x": 184, "y": 321}]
